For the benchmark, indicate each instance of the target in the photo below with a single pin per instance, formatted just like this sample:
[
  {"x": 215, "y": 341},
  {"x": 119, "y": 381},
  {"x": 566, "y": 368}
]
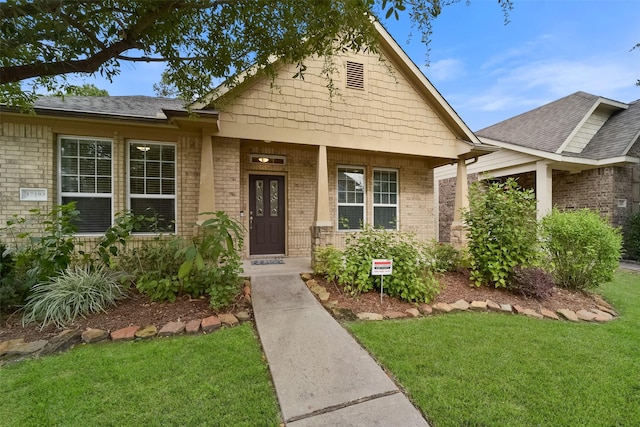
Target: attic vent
[{"x": 355, "y": 75}]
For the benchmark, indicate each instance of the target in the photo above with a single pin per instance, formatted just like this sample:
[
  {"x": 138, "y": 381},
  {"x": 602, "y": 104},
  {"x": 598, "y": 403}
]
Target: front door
[{"x": 266, "y": 215}]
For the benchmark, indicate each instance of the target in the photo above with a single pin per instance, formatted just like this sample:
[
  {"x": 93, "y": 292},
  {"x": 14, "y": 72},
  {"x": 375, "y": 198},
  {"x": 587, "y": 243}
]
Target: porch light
[{"x": 263, "y": 159}]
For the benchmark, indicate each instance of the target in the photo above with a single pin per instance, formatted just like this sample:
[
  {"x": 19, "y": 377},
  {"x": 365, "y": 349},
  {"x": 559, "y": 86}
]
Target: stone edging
[
  {"x": 603, "y": 313},
  {"x": 17, "y": 349}
]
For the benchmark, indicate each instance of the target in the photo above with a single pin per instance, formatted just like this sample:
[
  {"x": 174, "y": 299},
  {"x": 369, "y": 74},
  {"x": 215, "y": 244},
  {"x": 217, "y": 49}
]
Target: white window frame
[
  {"x": 386, "y": 205},
  {"x": 364, "y": 198},
  {"x": 173, "y": 197},
  {"x": 62, "y": 194}
]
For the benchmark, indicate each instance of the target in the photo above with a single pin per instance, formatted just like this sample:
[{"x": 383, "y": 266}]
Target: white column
[
  {"x": 322, "y": 216},
  {"x": 458, "y": 232},
  {"x": 206, "y": 197},
  {"x": 544, "y": 188}
]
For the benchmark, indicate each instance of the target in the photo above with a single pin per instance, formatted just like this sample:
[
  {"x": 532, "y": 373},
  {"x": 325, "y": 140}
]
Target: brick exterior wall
[{"x": 447, "y": 200}]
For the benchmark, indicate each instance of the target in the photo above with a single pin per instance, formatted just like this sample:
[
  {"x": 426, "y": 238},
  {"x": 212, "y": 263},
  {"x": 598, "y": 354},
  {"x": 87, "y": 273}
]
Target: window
[
  {"x": 351, "y": 186},
  {"x": 86, "y": 178},
  {"x": 152, "y": 184},
  {"x": 385, "y": 199}
]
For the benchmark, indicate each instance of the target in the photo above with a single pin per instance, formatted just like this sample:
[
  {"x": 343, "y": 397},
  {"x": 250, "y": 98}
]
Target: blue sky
[{"x": 489, "y": 71}]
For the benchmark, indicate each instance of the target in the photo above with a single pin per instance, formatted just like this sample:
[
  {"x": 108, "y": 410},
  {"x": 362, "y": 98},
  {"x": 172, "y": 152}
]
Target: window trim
[
  {"x": 62, "y": 194},
  {"x": 174, "y": 196},
  {"x": 396, "y": 205},
  {"x": 364, "y": 198}
]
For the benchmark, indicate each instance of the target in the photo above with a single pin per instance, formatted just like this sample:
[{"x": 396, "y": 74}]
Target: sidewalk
[{"x": 321, "y": 374}]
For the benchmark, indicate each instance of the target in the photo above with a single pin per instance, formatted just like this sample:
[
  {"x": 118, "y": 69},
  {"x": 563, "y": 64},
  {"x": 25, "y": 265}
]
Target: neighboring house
[
  {"x": 296, "y": 166},
  {"x": 581, "y": 151}
]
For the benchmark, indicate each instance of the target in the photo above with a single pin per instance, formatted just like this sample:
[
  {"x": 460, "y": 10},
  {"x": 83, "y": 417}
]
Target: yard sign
[{"x": 381, "y": 267}]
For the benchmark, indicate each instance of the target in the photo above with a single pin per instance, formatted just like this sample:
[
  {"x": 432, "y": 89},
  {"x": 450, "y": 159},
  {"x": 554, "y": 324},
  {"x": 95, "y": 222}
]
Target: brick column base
[
  {"x": 320, "y": 238},
  {"x": 458, "y": 235}
]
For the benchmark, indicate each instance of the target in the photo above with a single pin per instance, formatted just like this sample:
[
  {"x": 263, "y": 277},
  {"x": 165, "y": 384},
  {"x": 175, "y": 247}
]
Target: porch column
[
  {"x": 322, "y": 218},
  {"x": 206, "y": 198},
  {"x": 322, "y": 228},
  {"x": 458, "y": 233},
  {"x": 544, "y": 188}
]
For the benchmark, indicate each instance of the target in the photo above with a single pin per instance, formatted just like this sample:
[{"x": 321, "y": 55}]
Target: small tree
[
  {"x": 583, "y": 248},
  {"x": 502, "y": 227}
]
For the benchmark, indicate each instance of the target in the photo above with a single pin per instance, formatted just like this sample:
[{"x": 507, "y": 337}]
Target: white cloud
[{"x": 445, "y": 70}]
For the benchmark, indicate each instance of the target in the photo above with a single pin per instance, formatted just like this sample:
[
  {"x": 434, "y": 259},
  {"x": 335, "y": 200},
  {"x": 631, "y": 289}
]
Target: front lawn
[
  {"x": 492, "y": 369},
  {"x": 206, "y": 380}
]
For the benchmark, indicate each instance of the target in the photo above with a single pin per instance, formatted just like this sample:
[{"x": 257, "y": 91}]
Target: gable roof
[{"x": 551, "y": 127}]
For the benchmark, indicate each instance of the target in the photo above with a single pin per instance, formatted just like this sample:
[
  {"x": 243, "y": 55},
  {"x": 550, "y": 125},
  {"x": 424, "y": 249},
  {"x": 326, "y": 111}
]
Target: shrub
[
  {"x": 583, "y": 249},
  {"x": 329, "y": 262},
  {"x": 632, "y": 237},
  {"x": 410, "y": 281},
  {"x": 531, "y": 282},
  {"x": 207, "y": 263},
  {"x": 12, "y": 292},
  {"x": 442, "y": 257},
  {"x": 75, "y": 292},
  {"x": 502, "y": 231}
]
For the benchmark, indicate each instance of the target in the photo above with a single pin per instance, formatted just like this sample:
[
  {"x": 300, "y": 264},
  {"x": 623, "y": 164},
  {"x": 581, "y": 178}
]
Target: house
[
  {"x": 580, "y": 151},
  {"x": 298, "y": 167}
]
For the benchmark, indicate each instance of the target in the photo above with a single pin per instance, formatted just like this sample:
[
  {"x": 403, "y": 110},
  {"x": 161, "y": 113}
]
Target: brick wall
[{"x": 447, "y": 200}]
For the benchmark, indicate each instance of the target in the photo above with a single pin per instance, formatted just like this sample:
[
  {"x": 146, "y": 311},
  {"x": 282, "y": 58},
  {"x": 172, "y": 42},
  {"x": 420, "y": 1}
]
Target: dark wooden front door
[{"x": 266, "y": 214}]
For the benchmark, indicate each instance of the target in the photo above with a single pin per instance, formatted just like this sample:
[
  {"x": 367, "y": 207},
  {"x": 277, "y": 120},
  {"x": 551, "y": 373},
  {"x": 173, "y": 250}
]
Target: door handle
[{"x": 250, "y": 220}]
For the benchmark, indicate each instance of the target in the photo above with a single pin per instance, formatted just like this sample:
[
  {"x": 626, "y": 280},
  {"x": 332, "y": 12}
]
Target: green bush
[
  {"x": 632, "y": 237},
  {"x": 583, "y": 249},
  {"x": 12, "y": 292},
  {"x": 75, "y": 292},
  {"x": 208, "y": 263},
  {"x": 442, "y": 257},
  {"x": 329, "y": 263},
  {"x": 411, "y": 280},
  {"x": 502, "y": 231}
]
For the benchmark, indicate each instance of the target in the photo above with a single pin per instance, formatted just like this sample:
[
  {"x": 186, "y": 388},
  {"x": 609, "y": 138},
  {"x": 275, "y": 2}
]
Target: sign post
[{"x": 381, "y": 267}]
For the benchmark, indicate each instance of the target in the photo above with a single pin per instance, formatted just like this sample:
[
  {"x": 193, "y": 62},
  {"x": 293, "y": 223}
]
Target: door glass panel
[
  {"x": 273, "y": 201},
  {"x": 259, "y": 197}
]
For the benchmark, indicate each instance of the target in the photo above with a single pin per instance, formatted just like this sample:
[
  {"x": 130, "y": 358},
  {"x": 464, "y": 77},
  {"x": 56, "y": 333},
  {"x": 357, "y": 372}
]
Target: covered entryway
[{"x": 266, "y": 215}]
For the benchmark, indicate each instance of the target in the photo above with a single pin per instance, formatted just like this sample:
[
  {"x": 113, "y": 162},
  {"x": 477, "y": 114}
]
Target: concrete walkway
[{"x": 321, "y": 375}]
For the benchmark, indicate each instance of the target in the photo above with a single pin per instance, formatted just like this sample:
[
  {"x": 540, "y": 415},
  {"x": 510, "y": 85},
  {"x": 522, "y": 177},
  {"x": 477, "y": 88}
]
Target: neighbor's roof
[
  {"x": 122, "y": 106},
  {"x": 549, "y": 127},
  {"x": 617, "y": 135}
]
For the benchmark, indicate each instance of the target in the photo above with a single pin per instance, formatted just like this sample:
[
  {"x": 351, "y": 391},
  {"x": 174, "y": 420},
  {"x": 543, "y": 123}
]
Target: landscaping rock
[
  {"x": 63, "y": 341},
  {"x": 228, "y": 319},
  {"x": 601, "y": 316},
  {"x": 306, "y": 276},
  {"x": 600, "y": 301},
  {"x": 394, "y": 314},
  {"x": 585, "y": 315},
  {"x": 568, "y": 314},
  {"x": 506, "y": 308},
  {"x": 125, "y": 334},
  {"x": 426, "y": 309},
  {"x": 493, "y": 306},
  {"x": 330, "y": 305},
  {"x": 26, "y": 348},
  {"x": 171, "y": 328},
  {"x": 369, "y": 316},
  {"x": 460, "y": 305},
  {"x": 94, "y": 335},
  {"x": 532, "y": 313},
  {"x": 246, "y": 290},
  {"x": 5, "y": 346},
  {"x": 518, "y": 309},
  {"x": 317, "y": 289},
  {"x": 324, "y": 296},
  {"x": 607, "y": 310},
  {"x": 247, "y": 298},
  {"x": 210, "y": 323},
  {"x": 413, "y": 312},
  {"x": 549, "y": 314},
  {"x": 442, "y": 307},
  {"x": 147, "y": 332},
  {"x": 311, "y": 283},
  {"x": 193, "y": 326},
  {"x": 344, "y": 314},
  {"x": 478, "y": 305},
  {"x": 243, "y": 316}
]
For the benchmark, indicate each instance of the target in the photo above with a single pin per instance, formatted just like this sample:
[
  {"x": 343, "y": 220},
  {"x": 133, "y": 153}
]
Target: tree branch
[{"x": 91, "y": 64}]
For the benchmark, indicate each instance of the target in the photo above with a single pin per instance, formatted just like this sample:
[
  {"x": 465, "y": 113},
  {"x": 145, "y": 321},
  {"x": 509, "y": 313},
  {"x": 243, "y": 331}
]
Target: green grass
[
  {"x": 492, "y": 369},
  {"x": 205, "y": 380}
]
